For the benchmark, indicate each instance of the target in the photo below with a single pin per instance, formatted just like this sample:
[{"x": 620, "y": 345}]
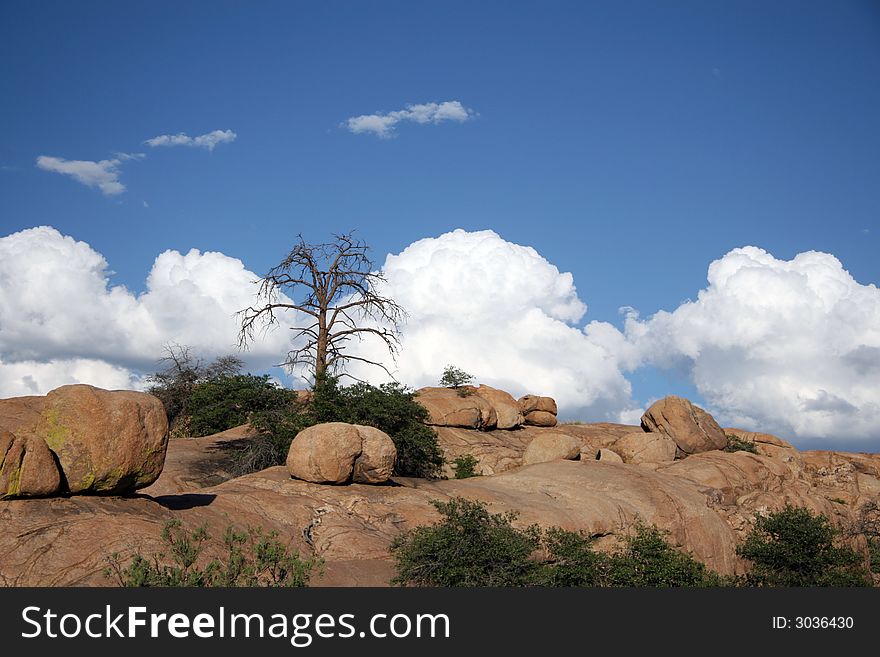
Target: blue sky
[{"x": 629, "y": 143}]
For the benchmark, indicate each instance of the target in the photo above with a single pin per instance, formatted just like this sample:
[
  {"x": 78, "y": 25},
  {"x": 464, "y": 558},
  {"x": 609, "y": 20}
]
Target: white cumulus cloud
[
  {"x": 383, "y": 124},
  {"x": 785, "y": 346},
  {"x": 503, "y": 313},
  {"x": 103, "y": 174},
  {"x": 208, "y": 141},
  {"x": 36, "y": 378},
  {"x": 61, "y": 318}
]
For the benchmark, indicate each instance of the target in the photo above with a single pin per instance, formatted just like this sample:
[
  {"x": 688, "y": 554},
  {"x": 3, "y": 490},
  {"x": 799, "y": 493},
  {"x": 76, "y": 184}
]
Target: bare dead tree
[{"x": 335, "y": 286}]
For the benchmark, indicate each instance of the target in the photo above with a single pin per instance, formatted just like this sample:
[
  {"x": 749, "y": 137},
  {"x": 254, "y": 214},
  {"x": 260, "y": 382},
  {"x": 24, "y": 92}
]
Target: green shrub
[
  {"x": 472, "y": 547},
  {"x": 874, "y": 555},
  {"x": 794, "y": 547},
  {"x": 456, "y": 378},
  {"x": 465, "y": 467},
  {"x": 391, "y": 408},
  {"x": 737, "y": 444},
  {"x": 251, "y": 558},
  {"x": 648, "y": 560},
  {"x": 181, "y": 371},
  {"x": 224, "y": 402},
  {"x": 469, "y": 547},
  {"x": 570, "y": 561}
]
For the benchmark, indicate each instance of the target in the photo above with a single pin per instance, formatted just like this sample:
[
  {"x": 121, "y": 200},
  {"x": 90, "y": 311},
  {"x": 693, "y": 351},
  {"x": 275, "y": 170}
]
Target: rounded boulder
[
  {"x": 692, "y": 428},
  {"x": 106, "y": 442},
  {"x": 552, "y": 446},
  {"x": 27, "y": 467},
  {"x": 339, "y": 453},
  {"x": 540, "y": 419}
]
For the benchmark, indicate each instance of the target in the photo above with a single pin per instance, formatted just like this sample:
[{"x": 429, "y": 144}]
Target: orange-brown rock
[
  {"x": 375, "y": 464},
  {"x": 337, "y": 452},
  {"x": 449, "y": 407},
  {"x": 66, "y": 541},
  {"x": 692, "y": 428},
  {"x": 27, "y": 467},
  {"x": 507, "y": 411},
  {"x": 550, "y": 446},
  {"x": 706, "y": 502},
  {"x": 496, "y": 451},
  {"x": 767, "y": 444},
  {"x": 608, "y": 456},
  {"x": 597, "y": 435},
  {"x": 192, "y": 463},
  {"x": 529, "y": 403},
  {"x": 107, "y": 442},
  {"x": 540, "y": 419},
  {"x": 641, "y": 447}
]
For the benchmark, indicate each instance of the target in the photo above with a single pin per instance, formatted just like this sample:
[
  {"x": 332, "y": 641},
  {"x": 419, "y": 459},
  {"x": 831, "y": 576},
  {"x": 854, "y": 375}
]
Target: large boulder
[
  {"x": 375, "y": 464},
  {"x": 692, "y": 428},
  {"x": 552, "y": 446},
  {"x": 529, "y": 403},
  {"x": 106, "y": 442},
  {"x": 462, "y": 407},
  {"x": 538, "y": 411},
  {"x": 540, "y": 419},
  {"x": 507, "y": 410},
  {"x": 338, "y": 453},
  {"x": 641, "y": 447},
  {"x": 27, "y": 467}
]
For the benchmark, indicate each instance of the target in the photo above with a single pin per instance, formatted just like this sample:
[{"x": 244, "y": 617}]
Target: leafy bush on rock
[
  {"x": 465, "y": 467},
  {"x": 472, "y": 547},
  {"x": 795, "y": 547},
  {"x": 251, "y": 558}
]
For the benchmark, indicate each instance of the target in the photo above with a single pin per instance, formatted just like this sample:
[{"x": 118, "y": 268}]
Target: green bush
[
  {"x": 251, "y": 558},
  {"x": 570, "y": 561},
  {"x": 454, "y": 377},
  {"x": 737, "y": 444},
  {"x": 472, "y": 547},
  {"x": 795, "y": 547},
  {"x": 178, "y": 377},
  {"x": 391, "y": 408},
  {"x": 648, "y": 560},
  {"x": 465, "y": 467},
  {"x": 469, "y": 547},
  {"x": 224, "y": 402}
]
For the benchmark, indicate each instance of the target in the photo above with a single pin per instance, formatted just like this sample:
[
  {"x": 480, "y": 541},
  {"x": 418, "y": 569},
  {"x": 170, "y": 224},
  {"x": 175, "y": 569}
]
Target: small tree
[
  {"x": 648, "y": 560},
  {"x": 465, "y": 467},
  {"x": 454, "y": 377},
  {"x": 180, "y": 371},
  {"x": 469, "y": 547},
  {"x": 223, "y": 402},
  {"x": 335, "y": 287},
  {"x": 737, "y": 444},
  {"x": 795, "y": 547}
]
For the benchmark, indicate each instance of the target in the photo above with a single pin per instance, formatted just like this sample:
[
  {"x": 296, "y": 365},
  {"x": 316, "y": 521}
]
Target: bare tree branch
[{"x": 334, "y": 283}]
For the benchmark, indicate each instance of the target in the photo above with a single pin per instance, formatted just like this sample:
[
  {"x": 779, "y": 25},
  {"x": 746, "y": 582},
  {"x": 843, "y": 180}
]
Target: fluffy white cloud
[
  {"x": 503, "y": 313},
  {"x": 383, "y": 124},
  {"x": 207, "y": 141},
  {"x": 36, "y": 378},
  {"x": 59, "y": 311},
  {"x": 791, "y": 347},
  {"x": 103, "y": 174}
]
